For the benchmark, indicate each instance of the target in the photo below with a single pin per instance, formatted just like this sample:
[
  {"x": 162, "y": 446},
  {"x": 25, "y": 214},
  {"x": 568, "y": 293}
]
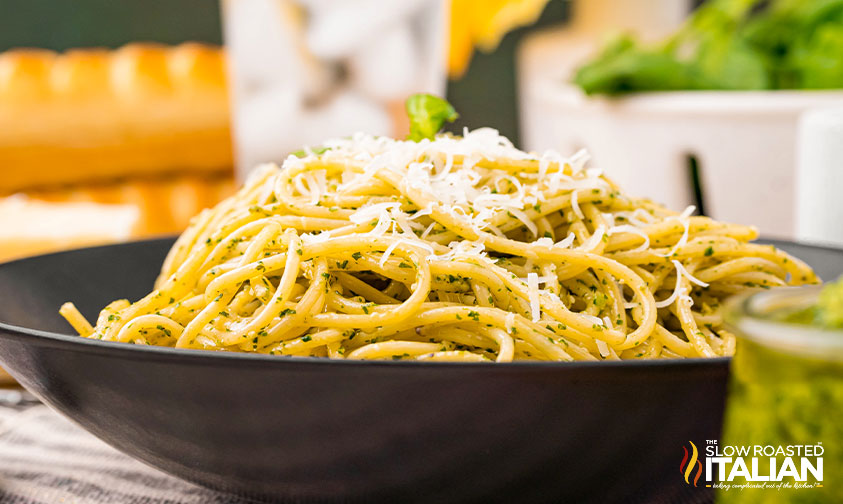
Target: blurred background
[{"x": 121, "y": 120}]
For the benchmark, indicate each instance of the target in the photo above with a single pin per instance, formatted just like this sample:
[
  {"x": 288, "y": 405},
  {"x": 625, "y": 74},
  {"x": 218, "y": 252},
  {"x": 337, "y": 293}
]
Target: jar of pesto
[{"x": 784, "y": 413}]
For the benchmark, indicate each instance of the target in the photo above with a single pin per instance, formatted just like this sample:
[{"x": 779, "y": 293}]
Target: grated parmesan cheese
[
  {"x": 367, "y": 213},
  {"x": 509, "y": 322},
  {"x": 520, "y": 215},
  {"x": 388, "y": 251},
  {"x": 463, "y": 248},
  {"x": 681, "y": 269},
  {"x": 678, "y": 290},
  {"x": 427, "y": 231},
  {"x": 578, "y": 160},
  {"x": 682, "y": 218},
  {"x": 421, "y": 213},
  {"x": 626, "y": 228},
  {"x": 533, "y": 291},
  {"x": 591, "y": 318},
  {"x": 567, "y": 242},
  {"x": 603, "y": 348},
  {"x": 545, "y": 242},
  {"x": 495, "y": 230},
  {"x": 575, "y": 206},
  {"x": 594, "y": 240}
]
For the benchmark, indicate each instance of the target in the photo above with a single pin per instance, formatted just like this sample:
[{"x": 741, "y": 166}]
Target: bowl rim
[{"x": 193, "y": 355}]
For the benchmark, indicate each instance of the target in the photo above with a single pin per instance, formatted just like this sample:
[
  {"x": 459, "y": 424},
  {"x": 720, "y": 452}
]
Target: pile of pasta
[{"x": 452, "y": 249}]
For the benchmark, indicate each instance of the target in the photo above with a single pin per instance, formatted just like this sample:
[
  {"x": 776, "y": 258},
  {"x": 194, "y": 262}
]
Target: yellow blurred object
[
  {"x": 94, "y": 114},
  {"x": 482, "y": 24},
  {"x": 50, "y": 220},
  {"x": 100, "y": 146},
  {"x": 96, "y": 136},
  {"x": 165, "y": 204},
  {"x": 29, "y": 227}
]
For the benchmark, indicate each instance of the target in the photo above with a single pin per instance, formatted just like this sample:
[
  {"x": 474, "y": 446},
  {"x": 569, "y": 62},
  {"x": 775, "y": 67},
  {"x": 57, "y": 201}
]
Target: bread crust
[{"x": 94, "y": 114}]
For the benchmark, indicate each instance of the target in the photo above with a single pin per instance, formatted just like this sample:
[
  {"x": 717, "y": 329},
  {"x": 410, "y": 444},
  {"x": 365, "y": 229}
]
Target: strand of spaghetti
[
  {"x": 292, "y": 321},
  {"x": 682, "y": 310},
  {"x": 420, "y": 289},
  {"x": 149, "y": 322},
  {"x": 387, "y": 349},
  {"x": 76, "y": 319},
  {"x": 453, "y": 356},
  {"x": 658, "y": 232},
  {"x": 360, "y": 287},
  {"x": 282, "y": 294},
  {"x": 300, "y": 346},
  {"x": 540, "y": 337},
  {"x": 740, "y": 265}
]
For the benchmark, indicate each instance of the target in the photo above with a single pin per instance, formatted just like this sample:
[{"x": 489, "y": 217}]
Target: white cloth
[{"x": 46, "y": 459}]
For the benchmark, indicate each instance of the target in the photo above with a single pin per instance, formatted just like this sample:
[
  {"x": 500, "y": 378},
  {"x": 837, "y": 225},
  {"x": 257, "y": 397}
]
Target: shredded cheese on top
[
  {"x": 683, "y": 218},
  {"x": 626, "y": 228},
  {"x": 509, "y": 322},
  {"x": 594, "y": 240},
  {"x": 575, "y": 205},
  {"x": 533, "y": 291},
  {"x": 602, "y": 347},
  {"x": 678, "y": 290}
]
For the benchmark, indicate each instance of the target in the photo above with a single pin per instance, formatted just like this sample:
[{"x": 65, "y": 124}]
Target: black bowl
[{"x": 297, "y": 429}]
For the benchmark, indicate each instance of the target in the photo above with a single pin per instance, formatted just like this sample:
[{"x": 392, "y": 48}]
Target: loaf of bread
[{"x": 93, "y": 114}]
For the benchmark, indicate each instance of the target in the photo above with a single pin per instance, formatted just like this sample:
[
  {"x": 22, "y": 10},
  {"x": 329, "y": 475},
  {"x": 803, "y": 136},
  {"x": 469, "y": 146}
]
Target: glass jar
[{"x": 786, "y": 391}]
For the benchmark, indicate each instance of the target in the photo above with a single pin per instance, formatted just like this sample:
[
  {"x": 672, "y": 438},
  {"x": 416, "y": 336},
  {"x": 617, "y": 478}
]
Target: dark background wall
[
  {"x": 484, "y": 96},
  {"x": 62, "y": 24}
]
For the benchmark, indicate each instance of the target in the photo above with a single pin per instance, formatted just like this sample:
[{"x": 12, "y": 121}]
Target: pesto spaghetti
[{"x": 452, "y": 249}]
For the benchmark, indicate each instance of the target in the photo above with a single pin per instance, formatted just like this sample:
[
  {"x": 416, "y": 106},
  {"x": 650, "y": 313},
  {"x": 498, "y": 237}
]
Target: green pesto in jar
[
  {"x": 783, "y": 396},
  {"x": 827, "y": 313}
]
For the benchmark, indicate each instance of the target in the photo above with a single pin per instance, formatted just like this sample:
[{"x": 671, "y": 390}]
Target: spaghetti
[{"x": 455, "y": 249}]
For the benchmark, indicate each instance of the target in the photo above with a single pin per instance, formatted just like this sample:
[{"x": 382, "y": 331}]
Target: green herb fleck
[{"x": 427, "y": 114}]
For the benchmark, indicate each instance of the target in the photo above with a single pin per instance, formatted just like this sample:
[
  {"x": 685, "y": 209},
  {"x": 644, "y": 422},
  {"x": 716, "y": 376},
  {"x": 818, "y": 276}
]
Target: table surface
[{"x": 46, "y": 459}]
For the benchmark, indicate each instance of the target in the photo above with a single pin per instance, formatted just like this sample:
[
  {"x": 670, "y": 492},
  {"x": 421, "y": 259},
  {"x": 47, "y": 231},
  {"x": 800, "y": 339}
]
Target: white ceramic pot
[
  {"x": 744, "y": 142},
  {"x": 819, "y": 177}
]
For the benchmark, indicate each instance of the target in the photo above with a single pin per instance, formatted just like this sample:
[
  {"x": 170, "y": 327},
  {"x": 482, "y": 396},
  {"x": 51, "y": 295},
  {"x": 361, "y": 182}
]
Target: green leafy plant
[
  {"x": 427, "y": 115},
  {"x": 315, "y": 150},
  {"x": 729, "y": 45}
]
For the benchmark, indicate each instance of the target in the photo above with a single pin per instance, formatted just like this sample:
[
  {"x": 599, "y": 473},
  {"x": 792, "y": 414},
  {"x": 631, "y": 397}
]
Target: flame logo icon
[{"x": 686, "y": 467}]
